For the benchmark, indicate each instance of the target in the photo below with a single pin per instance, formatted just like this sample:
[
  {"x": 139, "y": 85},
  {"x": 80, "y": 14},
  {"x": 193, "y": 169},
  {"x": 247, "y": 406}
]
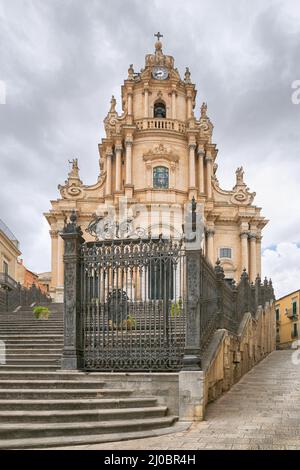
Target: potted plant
[{"x": 41, "y": 313}]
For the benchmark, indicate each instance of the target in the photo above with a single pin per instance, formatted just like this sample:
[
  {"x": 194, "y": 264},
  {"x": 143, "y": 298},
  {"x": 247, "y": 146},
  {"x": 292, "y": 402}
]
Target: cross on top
[{"x": 158, "y": 35}]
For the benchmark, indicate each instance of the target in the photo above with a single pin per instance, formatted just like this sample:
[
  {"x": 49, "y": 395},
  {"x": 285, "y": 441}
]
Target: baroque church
[{"x": 155, "y": 158}]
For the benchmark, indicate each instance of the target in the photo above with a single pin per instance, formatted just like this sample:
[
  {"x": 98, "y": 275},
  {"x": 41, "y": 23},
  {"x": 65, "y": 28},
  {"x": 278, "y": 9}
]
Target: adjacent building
[
  {"x": 159, "y": 154},
  {"x": 9, "y": 252},
  {"x": 287, "y": 319}
]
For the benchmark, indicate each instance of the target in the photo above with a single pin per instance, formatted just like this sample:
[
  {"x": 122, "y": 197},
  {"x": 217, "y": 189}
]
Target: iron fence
[{"x": 147, "y": 304}]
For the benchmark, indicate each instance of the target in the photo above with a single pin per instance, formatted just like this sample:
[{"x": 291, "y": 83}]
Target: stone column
[
  {"x": 210, "y": 244},
  {"x": 108, "y": 174},
  {"x": 118, "y": 149},
  {"x": 192, "y": 147},
  {"x": 146, "y": 101},
  {"x": 54, "y": 248},
  {"x": 209, "y": 163},
  {"x": 253, "y": 272},
  {"x": 60, "y": 263},
  {"x": 191, "y": 359},
  {"x": 201, "y": 169},
  {"x": 189, "y": 105},
  {"x": 128, "y": 144},
  {"x": 244, "y": 251},
  {"x": 173, "y": 103},
  {"x": 73, "y": 330},
  {"x": 129, "y": 106},
  {"x": 258, "y": 254}
]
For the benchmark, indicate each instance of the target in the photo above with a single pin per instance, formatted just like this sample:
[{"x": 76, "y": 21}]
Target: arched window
[
  {"x": 159, "y": 110},
  {"x": 160, "y": 177}
]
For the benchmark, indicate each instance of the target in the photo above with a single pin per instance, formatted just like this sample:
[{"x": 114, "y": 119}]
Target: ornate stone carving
[
  {"x": 160, "y": 152},
  {"x": 241, "y": 194},
  {"x": 73, "y": 187},
  {"x": 106, "y": 228}
]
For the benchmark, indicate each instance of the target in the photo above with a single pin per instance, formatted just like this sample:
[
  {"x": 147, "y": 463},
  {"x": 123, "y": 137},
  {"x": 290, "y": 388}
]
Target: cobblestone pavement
[{"x": 262, "y": 411}]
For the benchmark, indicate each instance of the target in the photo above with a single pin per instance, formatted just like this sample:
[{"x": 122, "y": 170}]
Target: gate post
[
  {"x": 73, "y": 336},
  {"x": 191, "y": 359},
  {"x": 194, "y": 230}
]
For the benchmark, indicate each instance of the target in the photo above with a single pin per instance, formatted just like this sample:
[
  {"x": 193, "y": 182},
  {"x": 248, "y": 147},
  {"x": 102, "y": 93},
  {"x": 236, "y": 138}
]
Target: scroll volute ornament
[
  {"x": 241, "y": 194},
  {"x": 73, "y": 187}
]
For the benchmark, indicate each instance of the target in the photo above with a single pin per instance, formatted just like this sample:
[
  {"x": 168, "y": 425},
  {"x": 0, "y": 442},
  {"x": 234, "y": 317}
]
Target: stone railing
[{"x": 160, "y": 124}]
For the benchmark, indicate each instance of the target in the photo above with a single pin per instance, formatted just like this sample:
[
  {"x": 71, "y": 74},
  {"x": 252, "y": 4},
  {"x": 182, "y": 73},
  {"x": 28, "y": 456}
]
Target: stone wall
[{"x": 230, "y": 356}]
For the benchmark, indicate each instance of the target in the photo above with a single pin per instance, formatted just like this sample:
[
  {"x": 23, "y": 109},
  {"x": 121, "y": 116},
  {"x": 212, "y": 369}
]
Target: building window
[
  {"x": 160, "y": 110},
  {"x": 294, "y": 309},
  {"x": 295, "y": 331},
  {"x": 160, "y": 177},
  {"x": 5, "y": 267},
  {"x": 225, "y": 253},
  {"x": 277, "y": 314}
]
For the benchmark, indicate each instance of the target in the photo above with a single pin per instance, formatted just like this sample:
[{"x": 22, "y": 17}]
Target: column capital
[
  {"x": 128, "y": 143},
  {"x": 118, "y": 147},
  {"x": 200, "y": 151},
  {"x": 209, "y": 232},
  {"x": 208, "y": 159},
  {"x": 53, "y": 233},
  {"x": 244, "y": 234},
  {"x": 192, "y": 146},
  {"x": 252, "y": 236}
]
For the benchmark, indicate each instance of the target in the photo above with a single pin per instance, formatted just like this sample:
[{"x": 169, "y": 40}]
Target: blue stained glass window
[{"x": 160, "y": 177}]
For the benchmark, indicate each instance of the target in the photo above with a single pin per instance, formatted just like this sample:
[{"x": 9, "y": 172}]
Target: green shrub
[
  {"x": 41, "y": 312},
  {"x": 176, "y": 308}
]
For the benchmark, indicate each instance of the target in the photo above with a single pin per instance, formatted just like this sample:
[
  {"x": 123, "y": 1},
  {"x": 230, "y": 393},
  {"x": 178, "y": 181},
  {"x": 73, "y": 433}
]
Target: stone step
[
  {"x": 37, "y": 347},
  {"x": 29, "y": 367},
  {"x": 75, "y": 404},
  {"x": 32, "y": 354},
  {"x": 32, "y": 342},
  {"x": 30, "y": 362},
  {"x": 52, "y": 375},
  {"x": 15, "y": 431},
  {"x": 50, "y": 384},
  {"x": 32, "y": 331},
  {"x": 21, "y": 337},
  {"x": 46, "y": 394},
  {"x": 72, "y": 416},
  {"x": 33, "y": 351},
  {"x": 69, "y": 442}
]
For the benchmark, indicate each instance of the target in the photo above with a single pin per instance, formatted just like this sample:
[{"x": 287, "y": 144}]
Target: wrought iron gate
[{"x": 133, "y": 304}]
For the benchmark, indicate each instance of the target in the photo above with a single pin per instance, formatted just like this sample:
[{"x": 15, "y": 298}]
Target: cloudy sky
[{"x": 61, "y": 61}]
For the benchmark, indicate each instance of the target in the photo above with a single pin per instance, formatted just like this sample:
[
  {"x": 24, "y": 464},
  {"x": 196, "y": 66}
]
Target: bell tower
[{"x": 158, "y": 136}]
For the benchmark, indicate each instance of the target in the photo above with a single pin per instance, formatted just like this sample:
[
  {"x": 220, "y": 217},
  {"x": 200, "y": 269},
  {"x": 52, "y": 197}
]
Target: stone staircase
[{"x": 42, "y": 406}]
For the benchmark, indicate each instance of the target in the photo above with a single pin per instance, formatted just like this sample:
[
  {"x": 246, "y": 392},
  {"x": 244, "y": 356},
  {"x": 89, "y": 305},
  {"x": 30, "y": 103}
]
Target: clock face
[{"x": 160, "y": 73}]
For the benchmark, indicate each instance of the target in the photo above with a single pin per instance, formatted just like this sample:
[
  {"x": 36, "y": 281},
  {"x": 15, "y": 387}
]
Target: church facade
[{"x": 155, "y": 158}]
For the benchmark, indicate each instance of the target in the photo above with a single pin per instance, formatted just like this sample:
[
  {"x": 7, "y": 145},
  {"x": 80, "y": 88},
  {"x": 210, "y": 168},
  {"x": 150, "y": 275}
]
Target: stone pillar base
[
  {"x": 129, "y": 191},
  {"x": 59, "y": 295},
  {"x": 191, "y": 395},
  {"x": 72, "y": 361}
]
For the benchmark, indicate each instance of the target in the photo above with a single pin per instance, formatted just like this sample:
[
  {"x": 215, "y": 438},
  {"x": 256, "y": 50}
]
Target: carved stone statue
[
  {"x": 187, "y": 75},
  {"x": 203, "y": 110},
  {"x": 74, "y": 173},
  {"x": 130, "y": 72},
  {"x": 239, "y": 175},
  {"x": 113, "y": 103}
]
